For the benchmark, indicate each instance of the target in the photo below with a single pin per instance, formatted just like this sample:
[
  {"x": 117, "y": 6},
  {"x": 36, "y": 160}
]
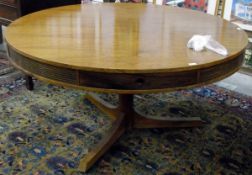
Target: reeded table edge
[{"x": 126, "y": 83}]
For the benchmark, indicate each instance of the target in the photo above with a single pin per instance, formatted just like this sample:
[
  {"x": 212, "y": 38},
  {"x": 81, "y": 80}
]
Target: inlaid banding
[{"x": 45, "y": 70}]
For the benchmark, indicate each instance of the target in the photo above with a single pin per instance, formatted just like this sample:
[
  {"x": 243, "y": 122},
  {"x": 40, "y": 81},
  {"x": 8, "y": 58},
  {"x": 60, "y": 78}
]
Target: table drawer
[
  {"x": 4, "y": 21},
  {"x": 8, "y": 12},
  {"x": 9, "y": 2}
]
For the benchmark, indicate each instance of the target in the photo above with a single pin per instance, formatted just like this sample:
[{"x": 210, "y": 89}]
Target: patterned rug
[{"x": 48, "y": 130}]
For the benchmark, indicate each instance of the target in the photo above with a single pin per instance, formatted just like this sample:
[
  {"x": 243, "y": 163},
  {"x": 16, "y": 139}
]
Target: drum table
[{"x": 125, "y": 49}]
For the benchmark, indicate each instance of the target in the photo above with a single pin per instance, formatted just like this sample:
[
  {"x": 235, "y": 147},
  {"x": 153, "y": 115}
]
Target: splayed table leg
[{"x": 125, "y": 118}]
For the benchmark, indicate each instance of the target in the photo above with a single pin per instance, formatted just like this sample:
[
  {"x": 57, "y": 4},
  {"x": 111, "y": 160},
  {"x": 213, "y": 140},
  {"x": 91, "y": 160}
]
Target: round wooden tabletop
[{"x": 122, "y": 39}]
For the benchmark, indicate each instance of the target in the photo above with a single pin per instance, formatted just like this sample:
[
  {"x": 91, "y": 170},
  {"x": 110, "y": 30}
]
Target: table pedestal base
[{"x": 124, "y": 117}]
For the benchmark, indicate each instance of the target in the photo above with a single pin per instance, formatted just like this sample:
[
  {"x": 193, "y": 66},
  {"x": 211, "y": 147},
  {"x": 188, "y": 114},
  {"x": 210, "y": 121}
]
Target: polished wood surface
[
  {"x": 12, "y": 9},
  {"x": 8, "y": 12},
  {"x": 129, "y": 38}
]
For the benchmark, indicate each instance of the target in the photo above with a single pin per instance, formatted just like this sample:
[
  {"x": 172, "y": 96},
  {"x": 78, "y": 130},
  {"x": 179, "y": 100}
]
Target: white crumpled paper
[{"x": 199, "y": 42}]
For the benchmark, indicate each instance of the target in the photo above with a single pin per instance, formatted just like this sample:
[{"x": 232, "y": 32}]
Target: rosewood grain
[
  {"x": 8, "y": 12},
  {"x": 9, "y": 2}
]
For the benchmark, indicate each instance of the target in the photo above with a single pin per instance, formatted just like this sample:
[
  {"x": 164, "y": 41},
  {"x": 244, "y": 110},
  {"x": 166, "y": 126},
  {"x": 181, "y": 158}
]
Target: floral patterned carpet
[{"x": 48, "y": 130}]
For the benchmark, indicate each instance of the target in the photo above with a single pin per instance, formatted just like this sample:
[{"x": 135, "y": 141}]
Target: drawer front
[
  {"x": 4, "y": 21},
  {"x": 7, "y": 12},
  {"x": 9, "y": 2}
]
